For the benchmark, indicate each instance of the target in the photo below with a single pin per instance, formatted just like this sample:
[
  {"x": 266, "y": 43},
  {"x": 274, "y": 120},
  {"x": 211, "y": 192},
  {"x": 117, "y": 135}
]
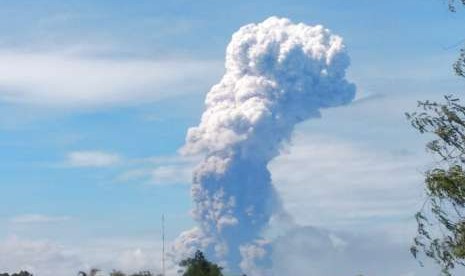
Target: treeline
[
  {"x": 198, "y": 265},
  {"x": 94, "y": 272},
  {"x": 21, "y": 273}
]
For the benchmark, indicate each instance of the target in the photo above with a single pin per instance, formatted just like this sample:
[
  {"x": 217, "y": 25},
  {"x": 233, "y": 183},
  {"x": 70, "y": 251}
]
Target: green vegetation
[
  {"x": 441, "y": 220},
  {"x": 95, "y": 271},
  {"x": 22, "y": 273},
  {"x": 453, "y": 4},
  {"x": 200, "y": 266}
]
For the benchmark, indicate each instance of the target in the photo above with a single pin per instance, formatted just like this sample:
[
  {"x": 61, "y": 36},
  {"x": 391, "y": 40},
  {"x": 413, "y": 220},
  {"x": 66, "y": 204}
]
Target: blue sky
[{"x": 96, "y": 98}]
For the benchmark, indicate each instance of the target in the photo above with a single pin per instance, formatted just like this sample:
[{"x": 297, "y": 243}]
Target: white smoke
[{"x": 277, "y": 74}]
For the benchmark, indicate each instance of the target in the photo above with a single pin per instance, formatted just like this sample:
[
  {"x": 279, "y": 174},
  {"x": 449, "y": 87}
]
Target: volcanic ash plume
[{"x": 277, "y": 74}]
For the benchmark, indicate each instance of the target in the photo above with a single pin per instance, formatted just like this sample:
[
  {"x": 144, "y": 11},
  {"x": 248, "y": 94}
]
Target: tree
[
  {"x": 453, "y": 4},
  {"x": 22, "y": 273},
  {"x": 441, "y": 220},
  {"x": 200, "y": 266},
  {"x": 142, "y": 273},
  {"x": 92, "y": 272},
  {"x": 117, "y": 273}
]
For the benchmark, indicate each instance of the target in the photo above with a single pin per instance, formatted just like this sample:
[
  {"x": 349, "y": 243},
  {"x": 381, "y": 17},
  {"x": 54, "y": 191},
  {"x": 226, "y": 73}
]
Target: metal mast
[{"x": 163, "y": 243}]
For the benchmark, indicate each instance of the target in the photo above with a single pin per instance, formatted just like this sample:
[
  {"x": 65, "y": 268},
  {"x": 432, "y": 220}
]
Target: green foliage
[
  {"x": 92, "y": 272},
  {"x": 200, "y": 266},
  {"x": 453, "y": 4},
  {"x": 142, "y": 273},
  {"x": 21, "y": 273},
  {"x": 459, "y": 65},
  {"x": 441, "y": 221}
]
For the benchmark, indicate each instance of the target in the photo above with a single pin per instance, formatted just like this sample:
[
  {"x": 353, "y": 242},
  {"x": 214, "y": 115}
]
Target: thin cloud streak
[
  {"x": 160, "y": 170},
  {"x": 92, "y": 159},
  {"x": 68, "y": 81},
  {"x": 38, "y": 219}
]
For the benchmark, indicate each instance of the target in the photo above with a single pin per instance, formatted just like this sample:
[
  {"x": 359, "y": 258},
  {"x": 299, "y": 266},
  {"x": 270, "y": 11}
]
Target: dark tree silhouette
[
  {"x": 200, "y": 266},
  {"x": 21, "y": 273}
]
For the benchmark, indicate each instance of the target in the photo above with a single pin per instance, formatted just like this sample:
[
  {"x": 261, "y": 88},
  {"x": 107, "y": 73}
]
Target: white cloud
[
  {"x": 44, "y": 258},
  {"x": 333, "y": 183},
  {"x": 302, "y": 251},
  {"x": 318, "y": 252},
  {"x": 48, "y": 258},
  {"x": 63, "y": 80},
  {"x": 172, "y": 174},
  {"x": 92, "y": 159},
  {"x": 361, "y": 197},
  {"x": 129, "y": 255},
  {"x": 161, "y": 170},
  {"x": 38, "y": 218},
  {"x": 158, "y": 170}
]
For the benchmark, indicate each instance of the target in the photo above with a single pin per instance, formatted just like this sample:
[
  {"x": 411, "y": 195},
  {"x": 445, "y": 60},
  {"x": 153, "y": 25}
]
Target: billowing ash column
[{"x": 277, "y": 74}]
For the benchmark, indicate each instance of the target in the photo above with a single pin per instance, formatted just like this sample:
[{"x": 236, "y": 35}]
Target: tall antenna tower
[{"x": 163, "y": 244}]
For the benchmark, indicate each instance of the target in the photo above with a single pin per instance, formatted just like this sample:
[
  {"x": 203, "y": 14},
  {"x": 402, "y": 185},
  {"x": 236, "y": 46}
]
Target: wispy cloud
[
  {"x": 314, "y": 251},
  {"x": 172, "y": 174},
  {"x": 40, "y": 257},
  {"x": 92, "y": 159},
  {"x": 38, "y": 218},
  {"x": 48, "y": 258},
  {"x": 63, "y": 80},
  {"x": 161, "y": 170},
  {"x": 302, "y": 251},
  {"x": 334, "y": 183},
  {"x": 155, "y": 170}
]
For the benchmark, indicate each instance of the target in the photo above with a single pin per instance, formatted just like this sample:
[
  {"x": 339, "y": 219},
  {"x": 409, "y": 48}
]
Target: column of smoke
[{"x": 277, "y": 74}]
